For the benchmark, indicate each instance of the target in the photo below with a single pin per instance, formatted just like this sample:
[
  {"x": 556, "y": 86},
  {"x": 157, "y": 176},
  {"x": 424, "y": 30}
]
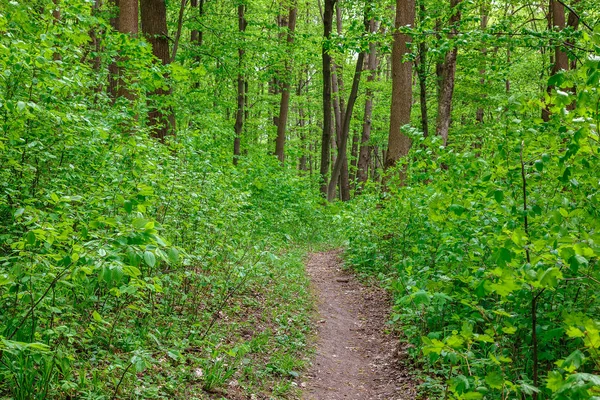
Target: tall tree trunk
[
  {"x": 343, "y": 144},
  {"x": 344, "y": 180},
  {"x": 573, "y": 23},
  {"x": 354, "y": 157},
  {"x": 422, "y": 73},
  {"x": 556, "y": 20},
  {"x": 197, "y": 35},
  {"x": 241, "y": 89},
  {"x": 483, "y": 25},
  {"x": 365, "y": 149},
  {"x": 561, "y": 60},
  {"x": 448, "y": 74},
  {"x": 285, "y": 90},
  {"x": 154, "y": 27},
  {"x": 439, "y": 65},
  {"x": 127, "y": 22},
  {"x": 325, "y": 149},
  {"x": 398, "y": 142}
]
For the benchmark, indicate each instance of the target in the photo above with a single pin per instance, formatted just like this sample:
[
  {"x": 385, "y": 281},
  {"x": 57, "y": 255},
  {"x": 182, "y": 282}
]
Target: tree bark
[
  {"x": 398, "y": 142},
  {"x": 127, "y": 22},
  {"x": 422, "y": 73},
  {"x": 241, "y": 89},
  {"x": 365, "y": 149},
  {"x": 179, "y": 28},
  {"x": 448, "y": 74},
  {"x": 342, "y": 145},
  {"x": 483, "y": 25},
  {"x": 154, "y": 27},
  {"x": 561, "y": 60},
  {"x": 325, "y": 149},
  {"x": 285, "y": 90},
  {"x": 197, "y": 35},
  {"x": 556, "y": 20}
]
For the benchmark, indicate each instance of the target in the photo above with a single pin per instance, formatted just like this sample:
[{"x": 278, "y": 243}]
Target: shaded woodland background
[{"x": 164, "y": 166}]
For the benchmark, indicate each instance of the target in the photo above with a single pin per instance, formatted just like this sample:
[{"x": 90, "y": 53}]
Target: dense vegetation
[{"x": 160, "y": 184}]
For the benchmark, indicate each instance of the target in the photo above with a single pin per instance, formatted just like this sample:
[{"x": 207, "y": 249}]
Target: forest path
[{"x": 355, "y": 359}]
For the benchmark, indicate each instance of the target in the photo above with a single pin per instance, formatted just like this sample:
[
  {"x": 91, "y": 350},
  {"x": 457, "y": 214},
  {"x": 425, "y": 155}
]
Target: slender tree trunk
[
  {"x": 354, "y": 157},
  {"x": 573, "y": 23},
  {"x": 398, "y": 142},
  {"x": 285, "y": 90},
  {"x": 422, "y": 73},
  {"x": 154, "y": 27},
  {"x": 344, "y": 180},
  {"x": 439, "y": 65},
  {"x": 483, "y": 25},
  {"x": 342, "y": 157},
  {"x": 448, "y": 74},
  {"x": 197, "y": 36},
  {"x": 325, "y": 149},
  {"x": 365, "y": 149},
  {"x": 241, "y": 89}
]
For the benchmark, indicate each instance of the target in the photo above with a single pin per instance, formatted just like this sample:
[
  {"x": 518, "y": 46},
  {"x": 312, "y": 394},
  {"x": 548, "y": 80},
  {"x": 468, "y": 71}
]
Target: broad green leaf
[
  {"x": 494, "y": 380},
  {"x": 149, "y": 258}
]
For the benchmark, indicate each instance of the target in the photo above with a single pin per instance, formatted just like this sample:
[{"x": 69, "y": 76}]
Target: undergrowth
[{"x": 491, "y": 250}]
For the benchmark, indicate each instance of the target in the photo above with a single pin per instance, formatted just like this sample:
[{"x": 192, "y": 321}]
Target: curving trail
[{"x": 355, "y": 359}]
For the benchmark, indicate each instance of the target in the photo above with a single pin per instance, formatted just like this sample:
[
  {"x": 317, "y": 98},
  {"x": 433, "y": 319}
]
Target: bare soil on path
[{"x": 355, "y": 359}]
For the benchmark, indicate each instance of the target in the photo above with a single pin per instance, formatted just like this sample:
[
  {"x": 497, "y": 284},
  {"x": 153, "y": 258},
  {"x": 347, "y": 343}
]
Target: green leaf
[
  {"x": 132, "y": 271},
  {"x": 555, "y": 381},
  {"x": 173, "y": 255},
  {"x": 574, "y": 332},
  {"x": 128, "y": 206},
  {"x": 539, "y": 165},
  {"x": 550, "y": 278},
  {"x": 97, "y": 317},
  {"x": 139, "y": 223},
  {"x": 494, "y": 380},
  {"x": 499, "y": 195},
  {"x": 573, "y": 361},
  {"x": 421, "y": 297},
  {"x": 149, "y": 258},
  {"x": 31, "y": 237}
]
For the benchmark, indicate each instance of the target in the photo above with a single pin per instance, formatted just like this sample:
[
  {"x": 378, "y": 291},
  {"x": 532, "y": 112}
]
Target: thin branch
[{"x": 577, "y": 15}]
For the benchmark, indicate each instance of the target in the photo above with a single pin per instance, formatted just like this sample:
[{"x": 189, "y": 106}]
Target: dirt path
[{"x": 355, "y": 359}]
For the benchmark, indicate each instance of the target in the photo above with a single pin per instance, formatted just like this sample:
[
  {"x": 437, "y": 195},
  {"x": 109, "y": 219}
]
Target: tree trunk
[
  {"x": 327, "y": 28},
  {"x": 285, "y": 90},
  {"x": 573, "y": 23},
  {"x": 342, "y": 145},
  {"x": 561, "y": 60},
  {"x": 556, "y": 20},
  {"x": 422, "y": 73},
  {"x": 448, "y": 73},
  {"x": 241, "y": 89},
  {"x": 154, "y": 27},
  {"x": 399, "y": 143},
  {"x": 197, "y": 36},
  {"x": 354, "y": 157},
  {"x": 483, "y": 26},
  {"x": 126, "y": 22},
  {"x": 365, "y": 149}
]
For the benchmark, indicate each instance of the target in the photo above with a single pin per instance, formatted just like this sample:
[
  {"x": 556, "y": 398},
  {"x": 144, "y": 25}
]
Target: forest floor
[{"x": 355, "y": 358}]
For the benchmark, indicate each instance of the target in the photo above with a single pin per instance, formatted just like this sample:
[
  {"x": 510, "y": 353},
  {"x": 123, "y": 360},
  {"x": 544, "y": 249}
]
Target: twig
[{"x": 121, "y": 381}]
